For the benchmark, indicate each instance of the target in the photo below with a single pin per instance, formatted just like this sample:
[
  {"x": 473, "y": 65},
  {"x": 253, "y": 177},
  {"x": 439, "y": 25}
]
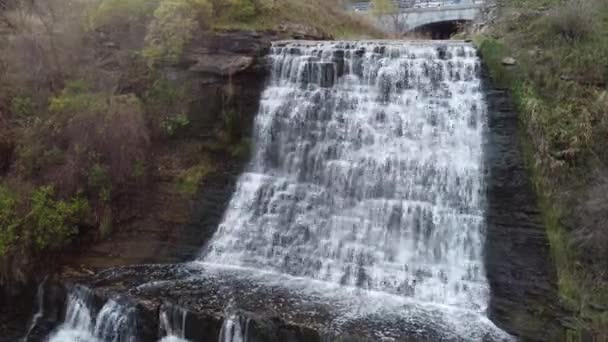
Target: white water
[
  {"x": 173, "y": 324},
  {"x": 367, "y": 173},
  {"x": 232, "y": 330},
  {"x": 113, "y": 323}
]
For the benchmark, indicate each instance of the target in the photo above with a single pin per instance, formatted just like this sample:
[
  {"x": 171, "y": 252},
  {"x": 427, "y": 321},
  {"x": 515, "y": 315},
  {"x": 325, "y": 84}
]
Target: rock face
[
  {"x": 199, "y": 309},
  {"x": 522, "y": 276}
]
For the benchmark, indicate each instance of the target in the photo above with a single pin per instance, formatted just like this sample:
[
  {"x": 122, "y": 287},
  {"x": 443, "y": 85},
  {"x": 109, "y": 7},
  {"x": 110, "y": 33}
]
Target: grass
[
  {"x": 189, "y": 181},
  {"x": 558, "y": 84},
  {"x": 327, "y": 17},
  {"x": 173, "y": 20}
]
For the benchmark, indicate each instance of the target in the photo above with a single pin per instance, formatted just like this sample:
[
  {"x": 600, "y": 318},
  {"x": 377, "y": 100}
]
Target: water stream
[
  {"x": 113, "y": 323},
  {"x": 368, "y": 172}
]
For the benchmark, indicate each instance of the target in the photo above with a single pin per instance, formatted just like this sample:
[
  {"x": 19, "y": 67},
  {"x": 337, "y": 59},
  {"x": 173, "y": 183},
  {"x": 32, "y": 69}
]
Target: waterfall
[
  {"x": 39, "y": 312},
  {"x": 367, "y": 172},
  {"x": 113, "y": 323},
  {"x": 232, "y": 329},
  {"x": 172, "y": 321}
]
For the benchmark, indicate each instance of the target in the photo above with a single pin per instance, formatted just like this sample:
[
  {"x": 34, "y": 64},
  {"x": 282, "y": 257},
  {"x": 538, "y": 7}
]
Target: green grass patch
[
  {"x": 189, "y": 181},
  {"x": 326, "y": 16}
]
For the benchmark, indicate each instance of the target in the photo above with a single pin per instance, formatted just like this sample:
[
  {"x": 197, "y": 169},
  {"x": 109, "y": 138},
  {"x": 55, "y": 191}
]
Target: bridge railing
[{"x": 365, "y": 6}]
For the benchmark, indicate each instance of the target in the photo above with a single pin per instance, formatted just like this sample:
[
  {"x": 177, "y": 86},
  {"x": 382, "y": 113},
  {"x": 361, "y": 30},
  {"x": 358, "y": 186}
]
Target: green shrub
[
  {"x": 493, "y": 52},
  {"x": 8, "y": 220},
  {"x": 34, "y": 154},
  {"x": 74, "y": 99},
  {"x": 49, "y": 222},
  {"x": 239, "y": 10},
  {"x": 113, "y": 12},
  {"x": 189, "y": 180},
  {"x": 54, "y": 222},
  {"x": 101, "y": 128},
  {"x": 172, "y": 28},
  {"x": 167, "y": 103},
  {"x": 23, "y": 107},
  {"x": 163, "y": 96},
  {"x": 171, "y": 125},
  {"x": 99, "y": 181}
]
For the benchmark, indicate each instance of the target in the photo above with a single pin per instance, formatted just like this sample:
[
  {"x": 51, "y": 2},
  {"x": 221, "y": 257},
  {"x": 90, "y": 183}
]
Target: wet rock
[
  {"x": 222, "y": 65},
  {"x": 509, "y": 61},
  {"x": 520, "y": 271}
]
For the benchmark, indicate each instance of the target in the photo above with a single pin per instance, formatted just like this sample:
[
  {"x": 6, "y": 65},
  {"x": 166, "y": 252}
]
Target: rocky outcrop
[
  {"x": 522, "y": 276},
  {"x": 199, "y": 304}
]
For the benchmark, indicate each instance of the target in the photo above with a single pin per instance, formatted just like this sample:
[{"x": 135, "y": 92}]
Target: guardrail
[{"x": 365, "y": 6}]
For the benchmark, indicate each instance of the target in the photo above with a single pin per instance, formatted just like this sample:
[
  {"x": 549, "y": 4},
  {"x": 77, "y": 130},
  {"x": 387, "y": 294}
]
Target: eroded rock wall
[{"x": 521, "y": 273}]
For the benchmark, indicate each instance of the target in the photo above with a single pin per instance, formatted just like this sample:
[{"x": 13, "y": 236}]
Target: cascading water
[
  {"x": 368, "y": 172},
  {"x": 172, "y": 321},
  {"x": 233, "y": 331},
  {"x": 113, "y": 323}
]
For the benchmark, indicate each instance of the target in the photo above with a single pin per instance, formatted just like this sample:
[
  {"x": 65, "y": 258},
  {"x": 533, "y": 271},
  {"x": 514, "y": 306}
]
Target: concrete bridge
[{"x": 418, "y": 15}]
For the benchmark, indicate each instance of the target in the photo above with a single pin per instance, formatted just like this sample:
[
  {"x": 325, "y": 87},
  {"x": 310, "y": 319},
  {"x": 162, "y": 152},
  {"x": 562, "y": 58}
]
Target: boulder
[{"x": 509, "y": 61}]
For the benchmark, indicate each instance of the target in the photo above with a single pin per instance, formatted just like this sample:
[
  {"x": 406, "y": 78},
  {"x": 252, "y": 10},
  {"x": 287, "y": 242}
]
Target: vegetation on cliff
[
  {"x": 86, "y": 105},
  {"x": 560, "y": 83}
]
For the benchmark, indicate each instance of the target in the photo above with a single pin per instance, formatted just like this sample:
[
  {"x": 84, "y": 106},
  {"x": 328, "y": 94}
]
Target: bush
[
  {"x": 22, "y": 107},
  {"x": 167, "y": 104},
  {"x": 189, "y": 180},
  {"x": 171, "y": 125},
  {"x": 35, "y": 154},
  {"x": 100, "y": 128},
  {"x": 54, "y": 222},
  {"x": 8, "y": 220},
  {"x": 100, "y": 182},
  {"x": 115, "y": 12},
  {"x": 172, "y": 28},
  {"x": 240, "y": 10},
  {"x": 49, "y": 222}
]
